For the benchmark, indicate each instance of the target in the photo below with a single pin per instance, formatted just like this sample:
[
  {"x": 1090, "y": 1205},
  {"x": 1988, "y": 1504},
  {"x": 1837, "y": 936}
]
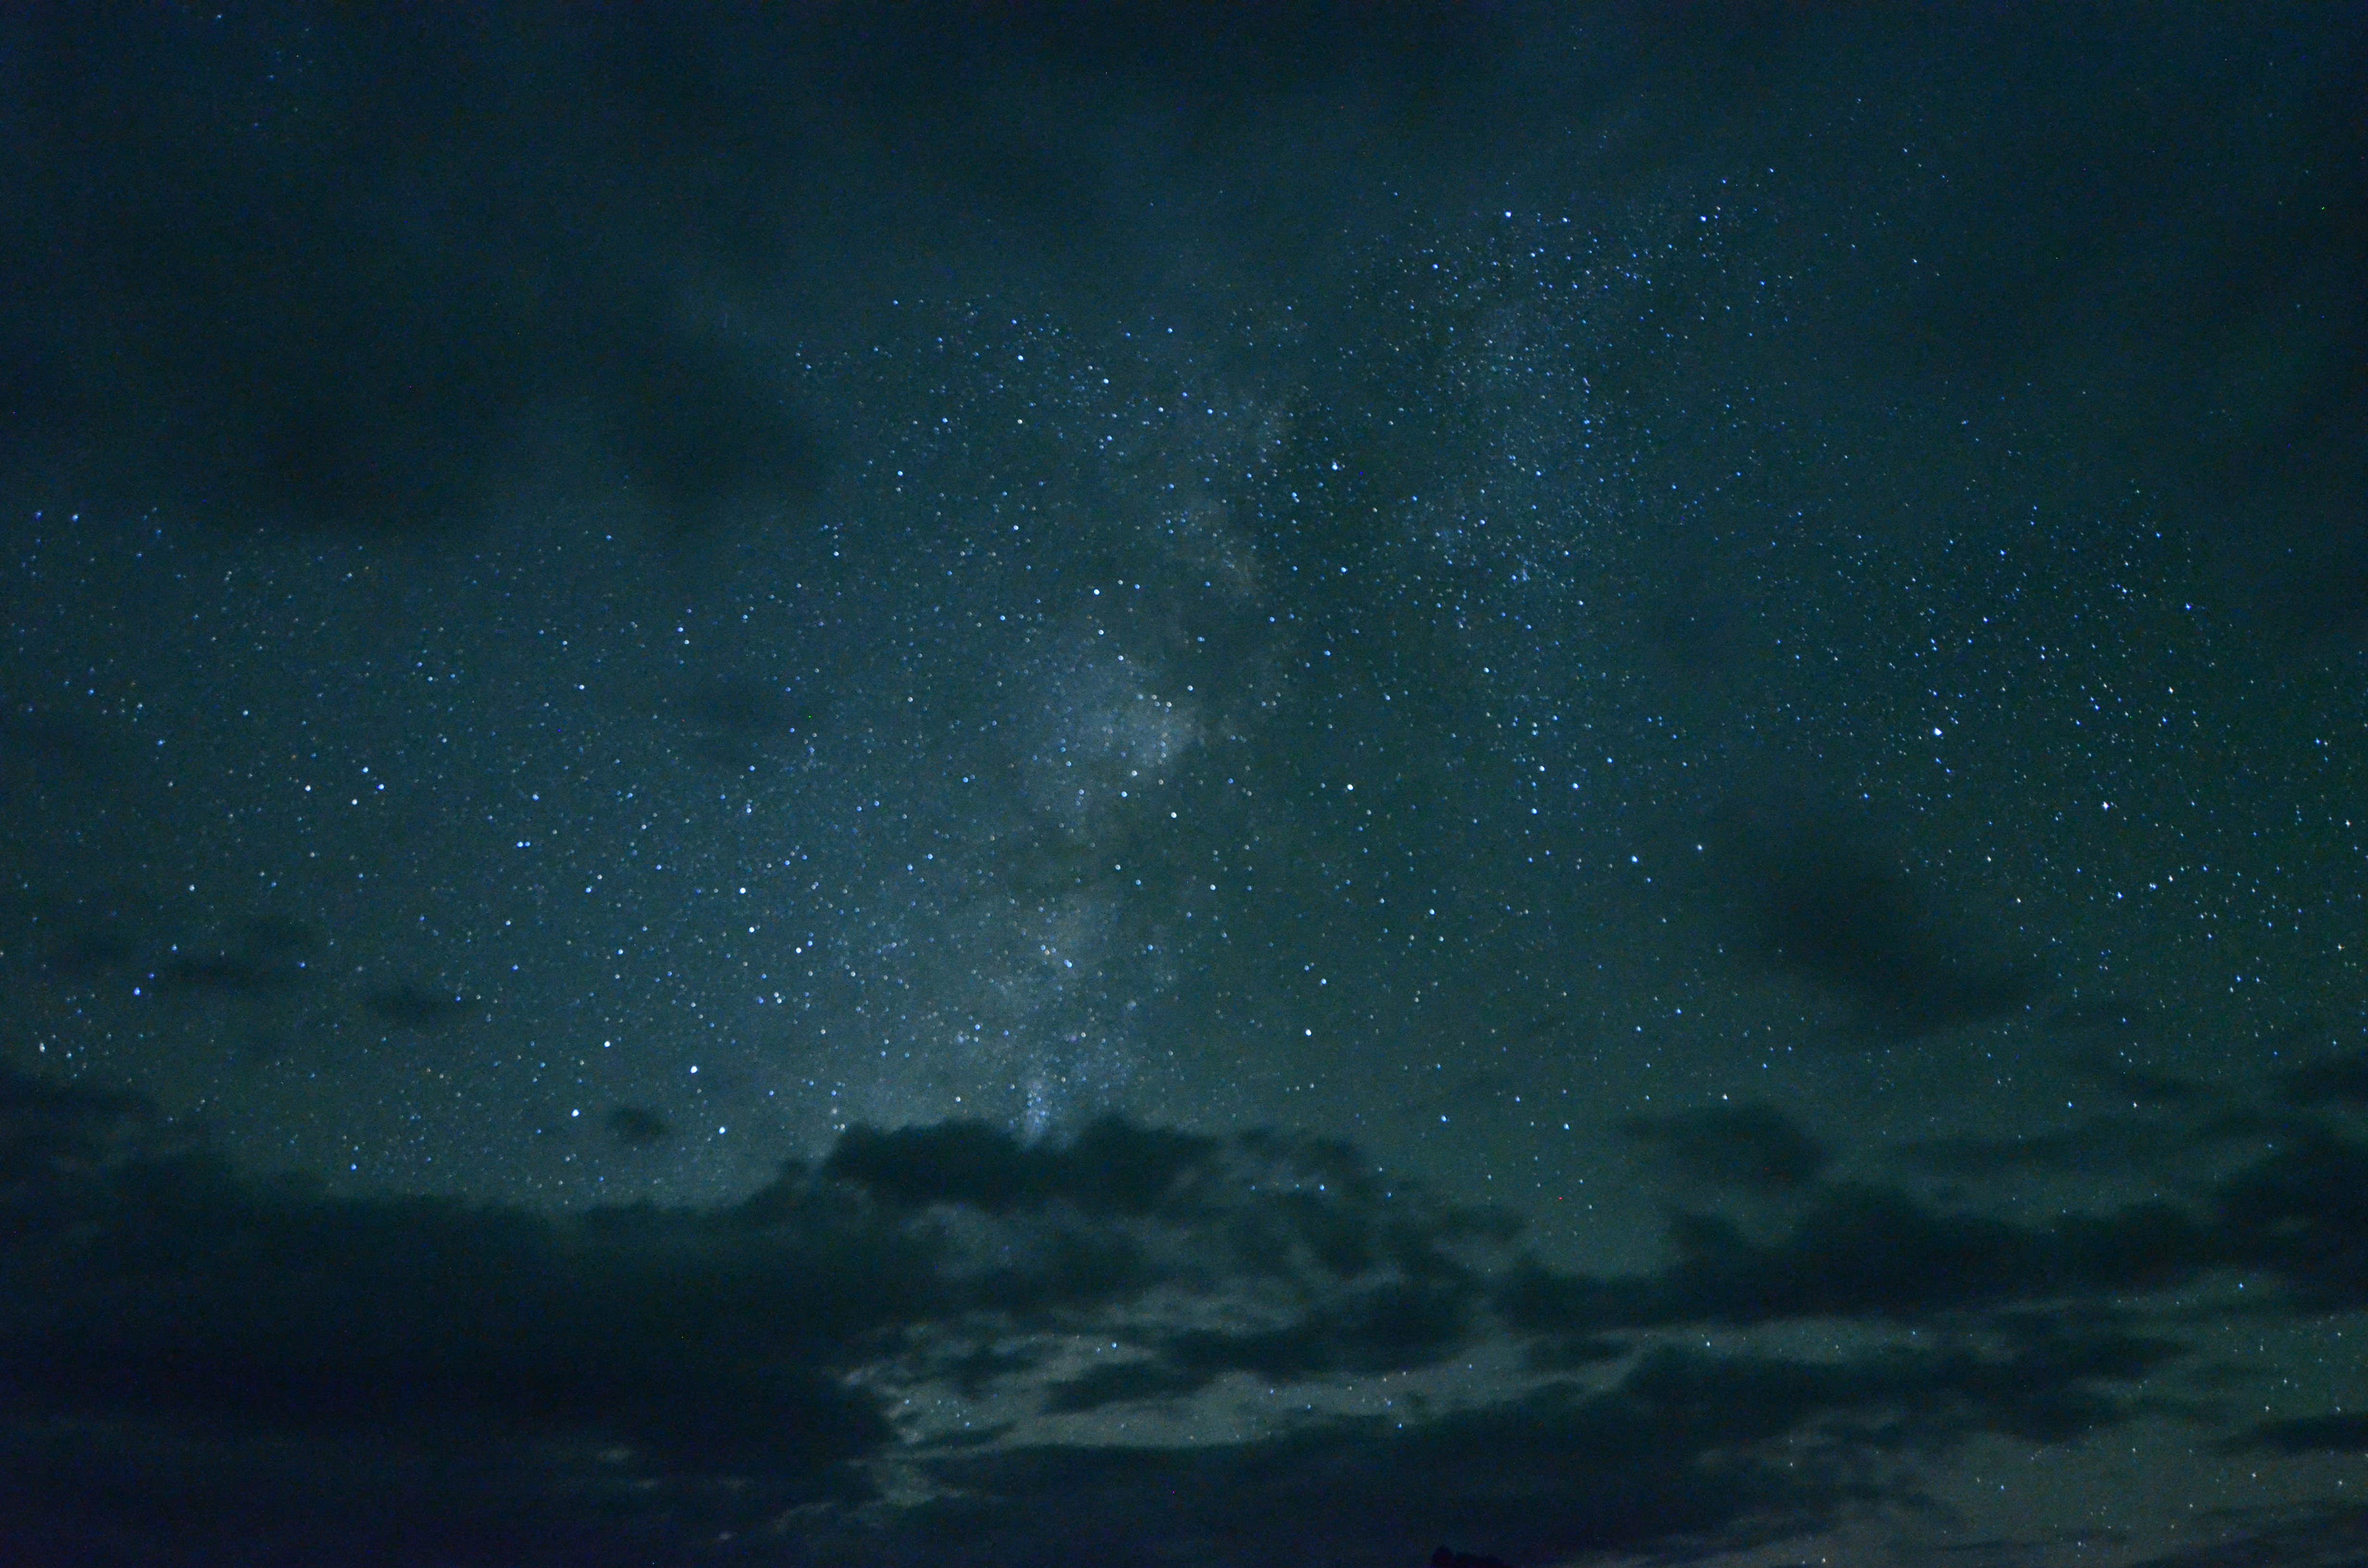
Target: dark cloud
[
  {"x": 732, "y": 722},
  {"x": 1112, "y": 1167},
  {"x": 375, "y": 1315},
  {"x": 2116, "y": 1042},
  {"x": 1394, "y": 1326},
  {"x": 1747, "y": 1147},
  {"x": 1684, "y": 1447},
  {"x": 44, "y": 749},
  {"x": 1127, "y": 1383},
  {"x": 1699, "y": 627},
  {"x": 2136, "y": 1140},
  {"x": 311, "y": 303},
  {"x": 2119, "y": 1071},
  {"x": 2302, "y": 1211},
  {"x": 81, "y": 934},
  {"x": 233, "y": 972},
  {"x": 349, "y": 278},
  {"x": 2110, "y": 1023},
  {"x": 48, "y": 1129},
  {"x": 267, "y": 957},
  {"x": 1870, "y": 1252},
  {"x": 2338, "y": 1080},
  {"x": 630, "y": 1345},
  {"x": 419, "y": 1008},
  {"x": 2325, "y": 602},
  {"x": 1817, "y": 899},
  {"x": 39, "y": 402},
  {"x": 2333, "y": 1434},
  {"x": 85, "y": 949},
  {"x": 697, "y": 429},
  {"x": 281, "y": 935},
  {"x": 264, "y": 1357},
  {"x": 2325, "y": 1536},
  {"x": 636, "y": 1127}
]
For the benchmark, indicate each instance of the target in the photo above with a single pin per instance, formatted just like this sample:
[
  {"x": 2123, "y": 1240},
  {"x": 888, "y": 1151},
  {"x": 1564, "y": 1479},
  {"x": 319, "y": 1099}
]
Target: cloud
[
  {"x": 2338, "y": 1080},
  {"x": 636, "y": 1127},
  {"x": 315, "y": 309},
  {"x": 1112, "y": 1167},
  {"x": 284, "y": 1365},
  {"x": 217, "y": 1303},
  {"x": 422, "y": 1009},
  {"x": 2171, "y": 1148},
  {"x": 1817, "y": 900},
  {"x": 1868, "y": 1252},
  {"x": 1746, "y": 1148},
  {"x": 2302, "y": 1212},
  {"x": 1686, "y": 1447},
  {"x": 155, "y": 1283},
  {"x": 2334, "y": 1434}
]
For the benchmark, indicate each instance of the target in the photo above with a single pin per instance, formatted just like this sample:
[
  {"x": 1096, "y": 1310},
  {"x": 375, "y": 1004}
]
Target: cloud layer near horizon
[{"x": 531, "y": 1387}]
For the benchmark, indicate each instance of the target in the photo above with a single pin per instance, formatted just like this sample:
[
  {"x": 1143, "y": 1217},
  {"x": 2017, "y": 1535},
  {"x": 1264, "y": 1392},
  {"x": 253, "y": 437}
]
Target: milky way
[{"x": 1320, "y": 753}]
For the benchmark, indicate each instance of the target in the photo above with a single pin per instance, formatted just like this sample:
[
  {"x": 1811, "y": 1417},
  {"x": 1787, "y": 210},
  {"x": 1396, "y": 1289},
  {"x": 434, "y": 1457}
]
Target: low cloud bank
[{"x": 200, "y": 1355}]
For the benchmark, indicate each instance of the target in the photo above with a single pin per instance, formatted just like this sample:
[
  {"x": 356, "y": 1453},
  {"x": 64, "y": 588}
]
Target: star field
[{"x": 1681, "y": 638}]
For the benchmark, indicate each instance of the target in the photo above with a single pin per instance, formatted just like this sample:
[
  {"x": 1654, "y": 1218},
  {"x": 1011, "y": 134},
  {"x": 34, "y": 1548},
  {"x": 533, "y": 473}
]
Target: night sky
[{"x": 1226, "y": 785}]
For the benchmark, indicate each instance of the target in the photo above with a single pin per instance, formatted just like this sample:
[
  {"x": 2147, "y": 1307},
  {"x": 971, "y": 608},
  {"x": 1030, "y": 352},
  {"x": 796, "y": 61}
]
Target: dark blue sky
[{"x": 1298, "y": 741}]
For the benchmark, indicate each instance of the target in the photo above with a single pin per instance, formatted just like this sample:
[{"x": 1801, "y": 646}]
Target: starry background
[{"x": 1622, "y": 610}]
